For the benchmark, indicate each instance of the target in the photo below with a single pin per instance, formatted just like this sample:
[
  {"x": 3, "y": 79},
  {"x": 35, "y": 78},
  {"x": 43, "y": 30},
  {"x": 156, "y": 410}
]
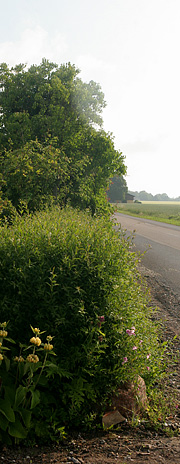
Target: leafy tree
[
  {"x": 34, "y": 174},
  {"x": 117, "y": 189},
  {"x": 51, "y": 139},
  {"x": 46, "y": 98}
]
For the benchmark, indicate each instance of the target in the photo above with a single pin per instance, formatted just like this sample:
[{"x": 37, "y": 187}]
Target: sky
[{"x": 129, "y": 47}]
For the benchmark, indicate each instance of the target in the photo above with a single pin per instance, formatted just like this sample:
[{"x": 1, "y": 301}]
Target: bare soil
[{"x": 126, "y": 443}]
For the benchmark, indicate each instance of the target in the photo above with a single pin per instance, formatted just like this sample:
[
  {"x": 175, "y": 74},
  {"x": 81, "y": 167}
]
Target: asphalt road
[{"x": 162, "y": 245}]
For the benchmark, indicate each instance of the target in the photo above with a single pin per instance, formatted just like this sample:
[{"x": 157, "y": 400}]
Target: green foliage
[
  {"x": 24, "y": 385},
  {"x": 7, "y": 211},
  {"x": 52, "y": 145},
  {"x": 74, "y": 275},
  {"x": 117, "y": 189},
  {"x": 46, "y": 98},
  {"x": 35, "y": 174}
]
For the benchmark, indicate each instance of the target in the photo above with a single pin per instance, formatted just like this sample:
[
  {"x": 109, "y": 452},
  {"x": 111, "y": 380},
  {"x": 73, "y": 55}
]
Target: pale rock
[
  {"x": 112, "y": 418},
  {"x": 130, "y": 399}
]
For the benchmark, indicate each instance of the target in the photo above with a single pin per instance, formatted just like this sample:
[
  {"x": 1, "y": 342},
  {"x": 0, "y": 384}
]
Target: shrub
[
  {"x": 75, "y": 276},
  {"x": 24, "y": 393},
  {"x": 7, "y": 211}
]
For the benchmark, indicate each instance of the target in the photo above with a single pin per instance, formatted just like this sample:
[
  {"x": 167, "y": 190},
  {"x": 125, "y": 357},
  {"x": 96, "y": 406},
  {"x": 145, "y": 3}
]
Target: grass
[{"x": 168, "y": 212}]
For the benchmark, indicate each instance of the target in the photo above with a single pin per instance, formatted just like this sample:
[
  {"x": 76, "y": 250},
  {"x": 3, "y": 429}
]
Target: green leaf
[
  {"x": 26, "y": 417},
  {"x": 35, "y": 398},
  {"x": 7, "y": 411},
  {"x": 3, "y": 422},
  {"x": 10, "y": 394},
  {"x": 17, "y": 430},
  {"x": 7, "y": 362},
  {"x": 20, "y": 395},
  {"x": 10, "y": 340}
]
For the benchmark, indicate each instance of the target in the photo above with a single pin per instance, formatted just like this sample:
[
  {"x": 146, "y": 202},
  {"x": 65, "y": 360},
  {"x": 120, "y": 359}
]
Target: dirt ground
[{"x": 125, "y": 443}]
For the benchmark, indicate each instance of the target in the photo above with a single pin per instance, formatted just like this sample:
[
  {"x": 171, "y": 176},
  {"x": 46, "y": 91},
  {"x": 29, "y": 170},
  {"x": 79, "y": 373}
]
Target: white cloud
[{"x": 34, "y": 44}]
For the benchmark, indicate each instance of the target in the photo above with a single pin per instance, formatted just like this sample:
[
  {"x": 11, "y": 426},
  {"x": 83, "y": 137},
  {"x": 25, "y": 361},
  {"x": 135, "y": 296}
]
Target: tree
[
  {"x": 34, "y": 174},
  {"x": 117, "y": 189},
  {"x": 46, "y": 98},
  {"x": 51, "y": 122}
]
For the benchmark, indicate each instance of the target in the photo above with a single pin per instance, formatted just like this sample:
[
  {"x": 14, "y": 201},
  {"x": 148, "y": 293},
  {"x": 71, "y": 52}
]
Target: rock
[
  {"x": 130, "y": 398},
  {"x": 112, "y": 418}
]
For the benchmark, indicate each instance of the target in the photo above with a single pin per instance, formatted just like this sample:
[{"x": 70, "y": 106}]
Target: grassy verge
[{"x": 156, "y": 211}]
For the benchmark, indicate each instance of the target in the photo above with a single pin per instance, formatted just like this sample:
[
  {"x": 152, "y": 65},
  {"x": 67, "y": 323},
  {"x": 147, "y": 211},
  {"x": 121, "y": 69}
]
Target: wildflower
[
  {"x": 1, "y": 357},
  {"x": 134, "y": 348},
  {"x": 3, "y": 333},
  {"x": 125, "y": 360},
  {"x": 37, "y": 331},
  {"x": 148, "y": 356},
  {"x": 49, "y": 338},
  {"x": 0, "y": 344},
  {"x": 48, "y": 347},
  {"x": 32, "y": 358},
  {"x": 35, "y": 341},
  {"x": 140, "y": 342},
  {"x": 3, "y": 324},
  {"x": 130, "y": 331},
  {"x": 19, "y": 359},
  {"x": 147, "y": 367},
  {"x": 133, "y": 328},
  {"x": 101, "y": 318}
]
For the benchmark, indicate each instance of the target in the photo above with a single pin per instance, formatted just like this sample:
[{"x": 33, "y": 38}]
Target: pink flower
[
  {"x": 125, "y": 360},
  {"x": 101, "y": 318},
  {"x": 147, "y": 367},
  {"x": 141, "y": 342},
  {"x": 130, "y": 331},
  {"x": 134, "y": 347},
  {"x": 133, "y": 328},
  {"x": 148, "y": 356}
]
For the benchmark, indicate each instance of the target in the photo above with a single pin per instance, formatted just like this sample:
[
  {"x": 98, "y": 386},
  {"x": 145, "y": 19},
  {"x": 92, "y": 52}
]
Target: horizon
[
  {"x": 149, "y": 193},
  {"x": 130, "y": 49}
]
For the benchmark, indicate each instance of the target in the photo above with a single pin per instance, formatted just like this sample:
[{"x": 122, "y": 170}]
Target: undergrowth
[{"x": 77, "y": 278}]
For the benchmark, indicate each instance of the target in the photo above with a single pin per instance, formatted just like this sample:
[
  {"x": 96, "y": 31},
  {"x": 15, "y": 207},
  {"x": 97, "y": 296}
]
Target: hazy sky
[{"x": 131, "y": 48}]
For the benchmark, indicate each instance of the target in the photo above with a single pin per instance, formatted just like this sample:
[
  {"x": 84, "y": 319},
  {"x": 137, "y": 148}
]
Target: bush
[
  {"x": 7, "y": 211},
  {"x": 75, "y": 276},
  {"x": 24, "y": 398}
]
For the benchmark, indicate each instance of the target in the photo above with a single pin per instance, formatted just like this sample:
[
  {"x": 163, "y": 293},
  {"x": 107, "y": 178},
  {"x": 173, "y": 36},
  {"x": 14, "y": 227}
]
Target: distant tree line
[{"x": 144, "y": 196}]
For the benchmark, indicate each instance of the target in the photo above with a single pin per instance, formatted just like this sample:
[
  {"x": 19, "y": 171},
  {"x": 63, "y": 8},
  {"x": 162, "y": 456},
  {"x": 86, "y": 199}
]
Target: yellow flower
[
  {"x": 35, "y": 341},
  {"x": 3, "y": 333},
  {"x": 32, "y": 358},
  {"x": 37, "y": 331},
  {"x": 1, "y": 357},
  {"x": 49, "y": 338},
  {"x": 48, "y": 347},
  {"x": 3, "y": 324},
  {"x": 0, "y": 344},
  {"x": 19, "y": 359}
]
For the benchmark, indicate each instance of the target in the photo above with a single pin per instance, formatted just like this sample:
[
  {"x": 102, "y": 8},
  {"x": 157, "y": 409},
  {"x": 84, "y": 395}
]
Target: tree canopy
[
  {"x": 117, "y": 189},
  {"x": 51, "y": 138}
]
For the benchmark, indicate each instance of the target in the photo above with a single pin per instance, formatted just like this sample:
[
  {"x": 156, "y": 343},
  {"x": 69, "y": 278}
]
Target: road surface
[{"x": 162, "y": 242}]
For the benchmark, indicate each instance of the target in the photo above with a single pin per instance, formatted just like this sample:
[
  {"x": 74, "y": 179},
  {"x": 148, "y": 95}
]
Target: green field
[{"x": 161, "y": 211}]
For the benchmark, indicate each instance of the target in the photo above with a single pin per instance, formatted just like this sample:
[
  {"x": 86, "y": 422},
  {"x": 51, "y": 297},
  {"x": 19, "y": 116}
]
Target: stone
[
  {"x": 112, "y": 418},
  {"x": 130, "y": 399}
]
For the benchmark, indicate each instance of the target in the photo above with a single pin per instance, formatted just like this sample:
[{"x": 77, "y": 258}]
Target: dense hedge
[{"x": 75, "y": 277}]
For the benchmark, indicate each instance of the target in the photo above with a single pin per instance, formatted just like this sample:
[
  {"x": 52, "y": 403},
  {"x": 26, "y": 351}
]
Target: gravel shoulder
[{"x": 125, "y": 444}]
